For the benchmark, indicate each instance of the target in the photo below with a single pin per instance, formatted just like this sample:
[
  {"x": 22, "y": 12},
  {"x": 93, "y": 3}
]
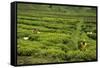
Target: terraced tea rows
[{"x": 49, "y": 33}]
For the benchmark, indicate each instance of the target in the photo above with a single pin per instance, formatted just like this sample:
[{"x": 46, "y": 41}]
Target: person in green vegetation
[
  {"x": 34, "y": 30},
  {"x": 82, "y": 45}
]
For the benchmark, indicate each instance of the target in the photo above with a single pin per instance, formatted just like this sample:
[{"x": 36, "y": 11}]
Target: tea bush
[{"x": 60, "y": 28}]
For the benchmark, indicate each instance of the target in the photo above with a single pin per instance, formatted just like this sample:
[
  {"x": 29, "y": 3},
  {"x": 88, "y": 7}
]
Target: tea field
[{"x": 53, "y": 33}]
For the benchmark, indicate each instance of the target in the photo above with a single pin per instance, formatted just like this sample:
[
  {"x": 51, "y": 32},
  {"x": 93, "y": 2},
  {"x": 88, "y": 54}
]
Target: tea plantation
[{"x": 52, "y": 33}]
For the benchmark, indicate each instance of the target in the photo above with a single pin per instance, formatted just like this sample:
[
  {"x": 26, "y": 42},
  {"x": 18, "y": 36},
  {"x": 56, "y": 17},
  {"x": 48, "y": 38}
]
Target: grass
[{"x": 60, "y": 29}]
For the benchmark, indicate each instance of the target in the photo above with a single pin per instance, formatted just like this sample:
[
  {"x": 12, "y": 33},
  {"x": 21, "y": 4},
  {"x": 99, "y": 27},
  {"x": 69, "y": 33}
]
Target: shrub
[
  {"x": 80, "y": 55},
  {"x": 55, "y": 54},
  {"x": 28, "y": 48},
  {"x": 63, "y": 47},
  {"x": 93, "y": 36},
  {"x": 47, "y": 43},
  {"x": 29, "y": 51},
  {"x": 33, "y": 37}
]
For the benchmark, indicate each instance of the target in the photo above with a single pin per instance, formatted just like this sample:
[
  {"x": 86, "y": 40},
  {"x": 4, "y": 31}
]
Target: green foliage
[
  {"x": 93, "y": 36},
  {"x": 56, "y": 54},
  {"x": 33, "y": 37},
  {"x": 59, "y": 30},
  {"x": 77, "y": 55}
]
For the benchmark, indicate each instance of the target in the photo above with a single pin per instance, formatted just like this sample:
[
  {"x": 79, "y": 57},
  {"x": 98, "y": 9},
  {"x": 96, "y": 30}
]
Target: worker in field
[
  {"x": 34, "y": 30},
  {"x": 82, "y": 45}
]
